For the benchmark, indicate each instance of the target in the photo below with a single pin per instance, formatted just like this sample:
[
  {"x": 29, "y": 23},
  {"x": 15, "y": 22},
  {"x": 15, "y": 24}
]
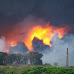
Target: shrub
[
  {"x": 48, "y": 70},
  {"x": 10, "y": 72}
]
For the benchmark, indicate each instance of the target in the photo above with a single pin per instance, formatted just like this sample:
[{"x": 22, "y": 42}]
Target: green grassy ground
[
  {"x": 32, "y": 69},
  {"x": 15, "y": 68}
]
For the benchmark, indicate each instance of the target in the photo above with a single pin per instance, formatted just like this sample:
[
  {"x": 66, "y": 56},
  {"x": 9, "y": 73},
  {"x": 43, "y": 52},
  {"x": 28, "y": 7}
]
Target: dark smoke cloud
[
  {"x": 39, "y": 46},
  {"x": 19, "y": 48},
  {"x": 56, "y": 11}
]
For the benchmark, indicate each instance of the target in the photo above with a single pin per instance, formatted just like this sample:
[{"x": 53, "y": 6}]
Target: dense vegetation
[
  {"x": 30, "y": 58},
  {"x": 20, "y": 64},
  {"x": 48, "y": 70},
  {"x": 29, "y": 69}
]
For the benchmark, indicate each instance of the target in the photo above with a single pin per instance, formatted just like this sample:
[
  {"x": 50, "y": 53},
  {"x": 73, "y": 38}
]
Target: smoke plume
[
  {"x": 2, "y": 44},
  {"x": 18, "y": 17},
  {"x": 58, "y": 53}
]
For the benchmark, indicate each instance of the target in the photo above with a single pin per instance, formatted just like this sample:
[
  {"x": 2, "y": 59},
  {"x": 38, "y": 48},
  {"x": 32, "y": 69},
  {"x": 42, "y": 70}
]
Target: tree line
[{"x": 33, "y": 58}]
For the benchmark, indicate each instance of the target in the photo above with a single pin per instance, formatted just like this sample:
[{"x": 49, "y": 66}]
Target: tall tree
[
  {"x": 3, "y": 58},
  {"x": 35, "y": 58}
]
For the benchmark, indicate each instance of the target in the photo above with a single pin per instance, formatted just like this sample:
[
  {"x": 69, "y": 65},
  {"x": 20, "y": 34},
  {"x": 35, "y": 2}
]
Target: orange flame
[
  {"x": 44, "y": 33},
  {"x": 12, "y": 43}
]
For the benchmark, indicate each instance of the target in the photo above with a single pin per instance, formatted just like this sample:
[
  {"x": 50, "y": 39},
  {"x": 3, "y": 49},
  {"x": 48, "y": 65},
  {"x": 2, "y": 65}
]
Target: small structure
[{"x": 67, "y": 59}]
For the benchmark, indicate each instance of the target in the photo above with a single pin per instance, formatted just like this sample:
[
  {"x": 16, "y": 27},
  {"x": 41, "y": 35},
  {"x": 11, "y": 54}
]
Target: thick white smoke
[
  {"x": 2, "y": 44},
  {"x": 59, "y": 49}
]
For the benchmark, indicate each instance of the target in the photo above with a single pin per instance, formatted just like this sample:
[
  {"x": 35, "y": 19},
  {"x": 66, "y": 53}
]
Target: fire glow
[
  {"x": 12, "y": 44},
  {"x": 44, "y": 33}
]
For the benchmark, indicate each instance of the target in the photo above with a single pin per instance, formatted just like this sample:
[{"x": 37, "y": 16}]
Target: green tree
[
  {"x": 35, "y": 58},
  {"x": 17, "y": 59},
  {"x": 3, "y": 58}
]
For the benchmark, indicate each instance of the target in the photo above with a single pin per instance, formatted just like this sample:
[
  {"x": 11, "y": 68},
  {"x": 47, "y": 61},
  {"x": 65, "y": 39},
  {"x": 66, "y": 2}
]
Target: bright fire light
[{"x": 44, "y": 33}]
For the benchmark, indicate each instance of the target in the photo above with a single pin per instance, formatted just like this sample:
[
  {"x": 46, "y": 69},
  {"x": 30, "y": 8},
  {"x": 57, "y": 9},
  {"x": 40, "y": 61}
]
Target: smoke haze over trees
[
  {"x": 33, "y": 58},
  {"x": 17, "y": 17}
]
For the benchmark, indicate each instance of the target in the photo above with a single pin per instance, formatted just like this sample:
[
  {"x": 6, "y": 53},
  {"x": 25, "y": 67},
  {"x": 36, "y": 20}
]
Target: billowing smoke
[
  {"x": 2, "y": 44},
  {"x": 58, "y": 53},
  {"x": 17, "y": 18},
  {"x": 39, "y": 46},
  {"x": 19, "y": 48}
]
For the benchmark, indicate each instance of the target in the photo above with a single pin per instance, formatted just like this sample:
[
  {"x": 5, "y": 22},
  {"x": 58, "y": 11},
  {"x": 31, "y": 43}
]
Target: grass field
[{"x": 32, "y": 69}]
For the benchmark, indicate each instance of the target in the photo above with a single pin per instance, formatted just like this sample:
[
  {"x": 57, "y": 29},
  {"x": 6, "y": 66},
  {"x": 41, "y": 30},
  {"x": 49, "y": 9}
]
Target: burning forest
[
  {"x": 36, "y": 38},
  {"x": 37, "y": 26},
  {"x": 44, "y": 33}
]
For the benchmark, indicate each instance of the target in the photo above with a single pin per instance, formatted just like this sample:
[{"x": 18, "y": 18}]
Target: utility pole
[{"x": 67, "y": 59}]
